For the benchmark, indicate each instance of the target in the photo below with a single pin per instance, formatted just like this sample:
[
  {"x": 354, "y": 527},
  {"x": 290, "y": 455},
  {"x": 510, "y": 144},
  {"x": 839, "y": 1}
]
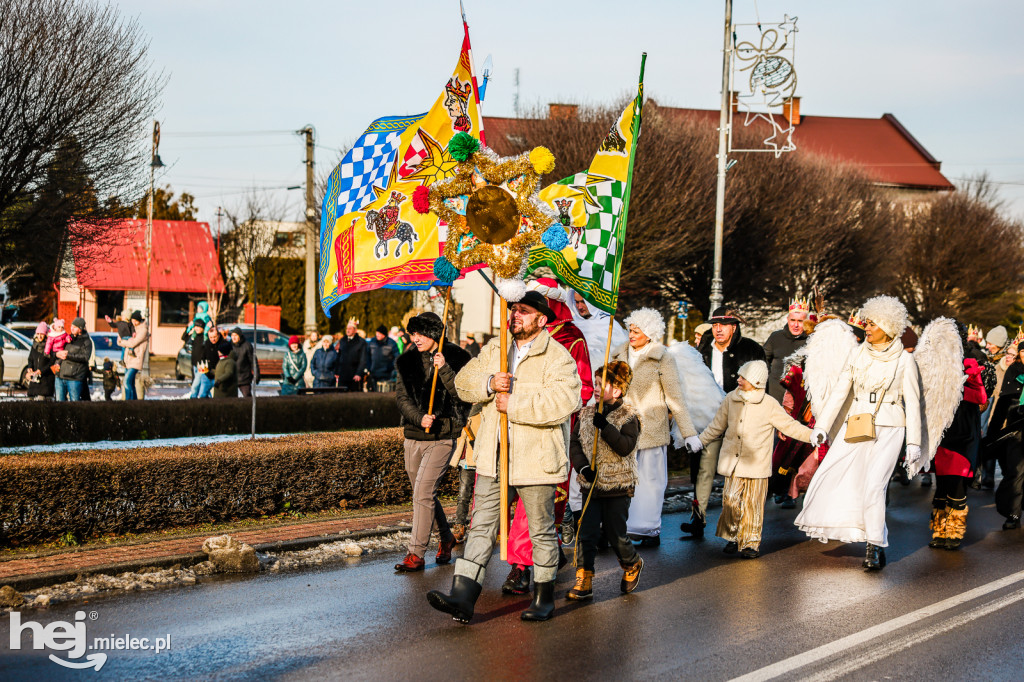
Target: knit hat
[
  {"x": 78, "y": 322},
  {"x": 909, "y": 338},
  {"x": 136, "y": 316},
  {"x": 997, "y": 336},
  {"x": 887, "y": 313},
  {"x": 426, "y": 324},
  {"x": 383, "y": 330},
  {"x": 43, "y": 328},
  {"x": 649, "y": 321},
  {"x": 295, "y": 340},
  {"x": 619, "y": 375},
  {"x": 756, "y": 372},
  {"x": 57, "y": 326}
]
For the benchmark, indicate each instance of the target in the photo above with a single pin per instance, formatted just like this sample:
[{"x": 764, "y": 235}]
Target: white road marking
[{"x": 789, "y": 665}]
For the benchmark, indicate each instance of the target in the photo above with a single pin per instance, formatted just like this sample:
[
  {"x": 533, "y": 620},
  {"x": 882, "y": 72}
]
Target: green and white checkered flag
[{"x": 593, "y": 207}]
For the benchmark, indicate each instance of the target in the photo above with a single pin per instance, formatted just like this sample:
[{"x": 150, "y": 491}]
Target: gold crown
[
  {"x": 353, "y": 320},
  {"x": 856, "y": 320},
  {"x": 455, "y": 88},
  {"x": 801, "y": 305},
  {"x": 974, "y": 333},
  {"x": 1017, "y": 340}
]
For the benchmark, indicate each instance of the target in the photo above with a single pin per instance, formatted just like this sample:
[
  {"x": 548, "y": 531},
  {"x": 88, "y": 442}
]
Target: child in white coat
[{"x": 746, "y": 421}]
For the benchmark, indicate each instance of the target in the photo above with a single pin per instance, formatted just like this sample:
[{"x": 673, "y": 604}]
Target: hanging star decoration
[{"x": 493, "y": 213}]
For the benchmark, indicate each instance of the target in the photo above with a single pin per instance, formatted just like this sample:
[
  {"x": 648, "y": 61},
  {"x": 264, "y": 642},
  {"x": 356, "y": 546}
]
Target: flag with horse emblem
[
  {"x": 593, "y": 206},
  {"x": 384, "y": 242}
]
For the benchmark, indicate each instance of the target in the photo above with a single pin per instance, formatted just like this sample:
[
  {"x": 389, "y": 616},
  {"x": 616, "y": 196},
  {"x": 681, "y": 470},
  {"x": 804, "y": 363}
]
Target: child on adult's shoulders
[{"x": 607, "y": 483}]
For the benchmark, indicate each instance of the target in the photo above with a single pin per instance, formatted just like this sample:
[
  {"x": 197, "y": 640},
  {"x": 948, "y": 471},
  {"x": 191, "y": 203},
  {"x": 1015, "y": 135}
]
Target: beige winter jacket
[
  {"x": 544, "y": 395},
  {"x": 138, "y": 345},
  {"x": 654, "y": 392},
  {"x": 749, "y": 429}
]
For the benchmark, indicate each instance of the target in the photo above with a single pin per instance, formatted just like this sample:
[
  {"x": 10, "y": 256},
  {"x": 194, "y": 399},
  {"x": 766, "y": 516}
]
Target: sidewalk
[{"x": 27, "y": 572}]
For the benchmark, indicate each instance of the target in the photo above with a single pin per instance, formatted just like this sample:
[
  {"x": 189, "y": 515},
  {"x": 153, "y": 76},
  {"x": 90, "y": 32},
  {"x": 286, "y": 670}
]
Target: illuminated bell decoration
[{"x": 491, "y": 208}]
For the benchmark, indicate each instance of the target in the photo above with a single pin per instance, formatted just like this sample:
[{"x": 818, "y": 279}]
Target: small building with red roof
[{"x": 108, "y": 276}]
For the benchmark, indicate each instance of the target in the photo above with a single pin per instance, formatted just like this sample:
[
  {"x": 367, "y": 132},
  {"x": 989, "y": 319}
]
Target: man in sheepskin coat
[
  {"x": 538, "y": 394},
  {"x": 654, "y": 392},
  {"x": 562, "y": 330},
  {"x": 725, "y": 350}
]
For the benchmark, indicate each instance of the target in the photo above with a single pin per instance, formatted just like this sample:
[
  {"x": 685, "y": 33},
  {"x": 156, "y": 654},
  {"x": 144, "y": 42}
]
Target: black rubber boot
[
  {"x": 874, "y": 559},
  {"x": 695, "y": 526},
  {"x": 460, "y": 602},
  {"x": 543, "y": 606}
]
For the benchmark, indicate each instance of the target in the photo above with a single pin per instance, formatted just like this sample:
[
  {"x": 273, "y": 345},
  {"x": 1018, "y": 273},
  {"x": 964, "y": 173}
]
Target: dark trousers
[
  {"x": 467, "y": 481},
  {"x": 611, "y": 513},
  {"x": 246, "y": 390},
  {"x": 1009, "y": 492},
  {"x": 950, "y": 491}
]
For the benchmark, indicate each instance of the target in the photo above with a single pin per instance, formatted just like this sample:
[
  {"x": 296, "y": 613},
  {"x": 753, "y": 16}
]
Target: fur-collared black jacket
[
  {"x": 741, "y": 350},
  {"x": 415, "y": 372}
]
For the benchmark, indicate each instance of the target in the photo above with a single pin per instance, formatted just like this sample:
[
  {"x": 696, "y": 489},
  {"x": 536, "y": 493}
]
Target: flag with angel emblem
[
  {"x": 370, "y": 235},
  {"x": 593, "y": 207}
]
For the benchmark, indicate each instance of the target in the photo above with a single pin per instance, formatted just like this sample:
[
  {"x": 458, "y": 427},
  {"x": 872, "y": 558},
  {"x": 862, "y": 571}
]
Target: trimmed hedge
[
  {"x": 29, "y": 422},
  {"x": 43, "y": 497}
]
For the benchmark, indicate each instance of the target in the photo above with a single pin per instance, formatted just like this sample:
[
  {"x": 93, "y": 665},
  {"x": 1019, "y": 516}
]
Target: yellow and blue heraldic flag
[
  {"x": 370, "y": 235},
  {"x": 593, "y": 206}
]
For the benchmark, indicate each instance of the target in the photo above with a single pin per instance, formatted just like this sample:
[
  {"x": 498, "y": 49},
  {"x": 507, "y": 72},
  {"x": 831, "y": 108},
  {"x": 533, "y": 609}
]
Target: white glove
[
  {"x": 693, "y": 444},
  {"x": 913, "y": 458},
  {"x": 818, "y": 437}
]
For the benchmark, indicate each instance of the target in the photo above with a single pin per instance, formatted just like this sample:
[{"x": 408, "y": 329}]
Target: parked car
[
  {"x": 271, "y": 346},
  {"x": 26, "y": 329},
  {"x": 105, "y": 346},
  {"x": 15, "y": 358}
]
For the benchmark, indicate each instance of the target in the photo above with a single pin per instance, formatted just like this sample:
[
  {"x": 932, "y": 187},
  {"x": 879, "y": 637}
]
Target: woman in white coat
[
  {"x": 655, "y": 391},
  {"x": 846, "y": 497}
]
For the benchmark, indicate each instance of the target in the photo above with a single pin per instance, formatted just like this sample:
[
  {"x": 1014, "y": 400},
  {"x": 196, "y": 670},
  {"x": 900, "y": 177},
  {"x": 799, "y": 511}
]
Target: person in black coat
[
  {"x": 74, "y": 366},
  {"x": 40, "y": 377},
  {"x": 323, "y": 364},
  {"x": 247, "y": 367},
  {"x": 353, "y": 358},
  {"x": 725, "y": 350},
  {"x": 383, "y": 352},
  {"x": 1004, "y": 440},
  {"x": 429, "y": 434},
  {"x": 210, "y": 350},
  {"x": 781, "y": 344},
  {"x": 195, "y": 334}
]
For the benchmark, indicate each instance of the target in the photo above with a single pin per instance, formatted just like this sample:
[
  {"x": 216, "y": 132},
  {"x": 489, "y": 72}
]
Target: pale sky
[{"x": 947, "y": 70}]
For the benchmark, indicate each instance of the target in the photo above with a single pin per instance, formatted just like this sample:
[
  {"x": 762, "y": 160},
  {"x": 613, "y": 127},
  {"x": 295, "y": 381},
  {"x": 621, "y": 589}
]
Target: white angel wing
[
  {"x": 700, "y": 391},
  {"x": 940, "y": 362},
  {"x": 827, "y": 351},
  {"x": 595, "y": 331}
]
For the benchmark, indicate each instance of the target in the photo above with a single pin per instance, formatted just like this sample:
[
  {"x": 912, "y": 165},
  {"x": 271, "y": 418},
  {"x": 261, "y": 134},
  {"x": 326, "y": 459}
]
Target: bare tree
[
  {"x": 961, "y": 257},
  {"x": 251, "y": 235},
  {"x": 76, "y": 94}
]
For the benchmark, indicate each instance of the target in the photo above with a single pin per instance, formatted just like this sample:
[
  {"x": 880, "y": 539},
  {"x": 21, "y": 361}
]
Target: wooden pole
[
  {"x": 604, "y": 377},
  {"x": 440, "y": 347},
  {"x": 503, "y": 452}
]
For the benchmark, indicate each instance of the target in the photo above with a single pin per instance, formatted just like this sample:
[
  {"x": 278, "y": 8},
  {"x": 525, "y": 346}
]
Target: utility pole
[
  {"x": 312, "y": 234},
  {"x": 723, "y": 145},
  {"x": 154, "y": 160}
]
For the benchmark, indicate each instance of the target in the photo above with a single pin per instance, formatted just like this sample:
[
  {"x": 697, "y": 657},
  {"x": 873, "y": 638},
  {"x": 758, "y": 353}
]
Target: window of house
[
  {"x": 281, "y": 239},
  {"x": 298, "y": 239},
  {"x": 108, "y": 303},
  {"x": 174, "y": 308}
]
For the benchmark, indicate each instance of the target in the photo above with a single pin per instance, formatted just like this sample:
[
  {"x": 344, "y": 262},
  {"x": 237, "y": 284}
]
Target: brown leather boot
[
  {"x": 410, "y": 564},
  {"x": 584, "y": 587}
]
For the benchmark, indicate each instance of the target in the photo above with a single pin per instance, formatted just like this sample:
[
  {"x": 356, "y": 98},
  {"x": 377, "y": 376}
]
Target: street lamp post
[
  {"x": 723, "y": 142},
  {"x": 154, "y": 163}
]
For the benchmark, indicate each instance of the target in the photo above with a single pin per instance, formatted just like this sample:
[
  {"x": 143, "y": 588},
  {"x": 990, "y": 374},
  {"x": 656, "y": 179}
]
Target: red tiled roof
[
  {"x": 184, "y": 258},
  {"x": 881, "y": 147}
]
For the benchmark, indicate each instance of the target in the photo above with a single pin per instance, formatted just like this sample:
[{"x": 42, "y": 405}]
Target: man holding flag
[{"x": 539, "y": 401}]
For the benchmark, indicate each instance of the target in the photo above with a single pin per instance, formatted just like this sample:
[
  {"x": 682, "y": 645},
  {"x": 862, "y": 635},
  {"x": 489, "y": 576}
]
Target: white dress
[{"x": 846, "y": 496}]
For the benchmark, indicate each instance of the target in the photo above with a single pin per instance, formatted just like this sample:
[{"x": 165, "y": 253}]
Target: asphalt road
[{"x": 802, "y": 611}]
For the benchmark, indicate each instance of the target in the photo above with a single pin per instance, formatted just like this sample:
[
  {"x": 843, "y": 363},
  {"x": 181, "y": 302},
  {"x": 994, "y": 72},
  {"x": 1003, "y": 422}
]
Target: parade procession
[{"x": 601, "y": 387}]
